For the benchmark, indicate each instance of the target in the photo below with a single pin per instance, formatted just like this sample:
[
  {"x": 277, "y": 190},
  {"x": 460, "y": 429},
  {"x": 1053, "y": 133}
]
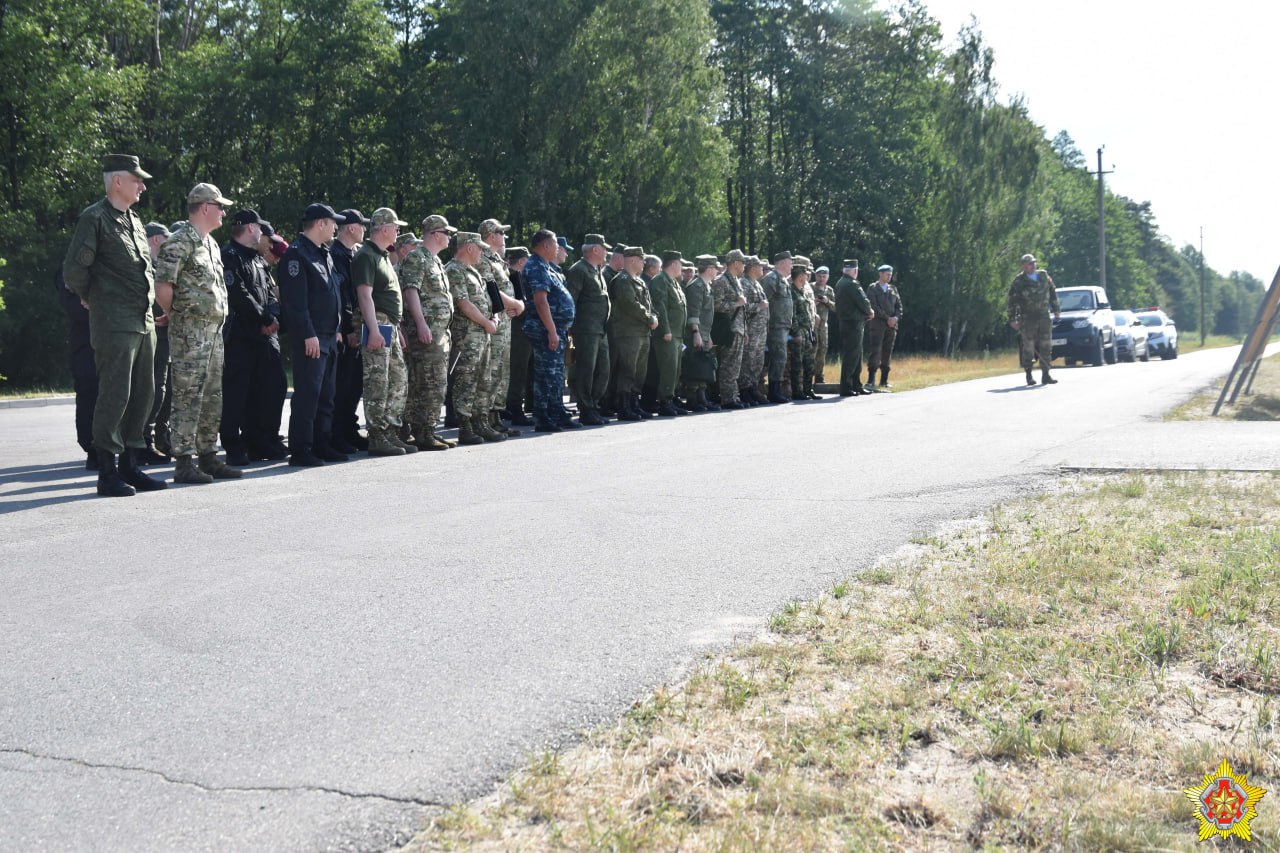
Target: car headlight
[{"x": 1079, "y": 324}]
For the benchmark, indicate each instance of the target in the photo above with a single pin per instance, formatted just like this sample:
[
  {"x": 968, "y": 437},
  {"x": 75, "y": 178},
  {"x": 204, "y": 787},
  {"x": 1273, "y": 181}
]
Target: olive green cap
[
  {"x": 124, "y": 163},
  {"x": 633, "y": 252}
]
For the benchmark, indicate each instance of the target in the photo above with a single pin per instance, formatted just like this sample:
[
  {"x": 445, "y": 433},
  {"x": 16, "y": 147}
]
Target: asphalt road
[{"x": 317, "y": 659}]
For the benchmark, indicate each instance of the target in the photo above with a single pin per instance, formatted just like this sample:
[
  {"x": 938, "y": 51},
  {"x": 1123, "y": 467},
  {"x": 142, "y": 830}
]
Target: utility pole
[
  {"x": 1102, "y": 224},
  {"x": 1202, "y": 317}
]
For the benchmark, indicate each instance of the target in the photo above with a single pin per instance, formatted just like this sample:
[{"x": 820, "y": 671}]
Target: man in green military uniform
[
  {"x": 802, "y": 335},
  {"x": 586, "y": 284},
  {"x": 702, "y": 311},
  {"x": 883, "y": 331},
  {"x": 1031, "y": 299},
  {"x": 192, "y": 290},
  {"x": 386, "y": 377},
  {"x": 430, "y": 307},
  {"x": 108, "y": 265},
  {"x": 496, "y": 275},
  {"x": 824, "y": 300},
  {"x": 473, "y": 324},
  {"x": 729, "y": 327},
  {"x": 854, "y": 311},
  {"x": 672, "y": 312},
  {"x": 631, "y": 318},
  {"x": 777, "y": 290}
]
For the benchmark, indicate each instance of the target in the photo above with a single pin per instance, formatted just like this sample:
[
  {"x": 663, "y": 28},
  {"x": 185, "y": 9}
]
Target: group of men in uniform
[{"x": 375, "y": 315}]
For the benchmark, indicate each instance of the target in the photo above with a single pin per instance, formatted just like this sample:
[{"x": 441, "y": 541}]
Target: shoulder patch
[
  {"x": 294, "y": 269},
  {"x": 229, "y": 277}
]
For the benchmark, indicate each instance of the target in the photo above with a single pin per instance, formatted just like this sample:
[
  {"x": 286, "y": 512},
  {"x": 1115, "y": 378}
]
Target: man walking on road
[{"x": 1031, "y": 298}]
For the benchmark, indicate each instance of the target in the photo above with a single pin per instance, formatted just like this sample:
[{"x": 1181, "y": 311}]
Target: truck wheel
[{"x": 1097, "y": 358}]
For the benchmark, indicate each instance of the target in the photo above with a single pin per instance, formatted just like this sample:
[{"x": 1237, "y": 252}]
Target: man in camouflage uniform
[
  {"x": 1031, "y": 299},
  {"x": 757, "y": 325},
  {"x": 109, "y": 267},
  {"x": 496, "y": 276},
  {"x": 824, "y": 299},
  {"x": 729, "y": 327},
  {"x": 854, "y": 312},
  {"x": 191, "y": 288},
  {"x": 632, "y": 318},
  {"x": 697, "y": 329},
  {"x": 473, "y": 324},
  {"x": 586, "y": 284},
  {"x": 802, "y": 334},
  {"x": 778, "y": 291},
  {"x": 386, "y": 378},
  {"x": 667, "y": 295},
  {"x": 405, "y": 243},
  {"x": 883, "y": 331},
  {"x": 430, "y": 307}
]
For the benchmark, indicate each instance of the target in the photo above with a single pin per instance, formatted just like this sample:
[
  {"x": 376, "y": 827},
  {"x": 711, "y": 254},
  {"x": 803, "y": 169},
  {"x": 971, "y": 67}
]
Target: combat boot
[
  {"x": 381, "y": 445},
  {"x": 624, "y": 409},
  {"x": 590, "y": 417},
  {"x": 134, "y": 476},
  {"x": 1045, "y": 378},
  {"x": 433, "y": 442},
  {"x": 110, "y": 483},
  {"x": 667, "y": 409},
  {"x": 466, "y": 434},
  {"x": 635, "y": 407},
  {"x": 495, "y": 421},
  {"x": 393, "y": 435},
  {"x": 91, "y": 460},
  {"x": 1031, "y": 380},
  {"x": 216, "y": 468},
  {"x": 480, "y": 425},
  {"x": 706, "y": 401},
  {"x": 185, "y": 470}
]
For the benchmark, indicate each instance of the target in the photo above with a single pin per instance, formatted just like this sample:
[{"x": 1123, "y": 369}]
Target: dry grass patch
[
  {"x": 1262, "y": 404},
  {"x": 1050, "y": 677},
  {"x": 911, "y": 372}
]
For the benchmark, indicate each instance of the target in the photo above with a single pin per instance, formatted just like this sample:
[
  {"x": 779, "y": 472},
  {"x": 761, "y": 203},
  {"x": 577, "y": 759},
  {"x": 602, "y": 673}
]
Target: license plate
[{"x": 1059, "y": 342}]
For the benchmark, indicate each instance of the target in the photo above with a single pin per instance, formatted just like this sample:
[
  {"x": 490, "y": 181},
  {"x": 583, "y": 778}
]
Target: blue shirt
[{"x": 538, "y": 275}]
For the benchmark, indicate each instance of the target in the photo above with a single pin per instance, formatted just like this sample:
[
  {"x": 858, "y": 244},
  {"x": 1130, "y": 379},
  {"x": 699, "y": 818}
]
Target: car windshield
[
  {"x": 1077, "y": 300},
  {"x": 1151, "y": 320},
  {"x": 1122, "y": 319}
]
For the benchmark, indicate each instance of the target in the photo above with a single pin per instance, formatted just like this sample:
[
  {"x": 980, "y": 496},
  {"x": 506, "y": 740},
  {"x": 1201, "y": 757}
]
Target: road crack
[{"x": 234, "y": 789}]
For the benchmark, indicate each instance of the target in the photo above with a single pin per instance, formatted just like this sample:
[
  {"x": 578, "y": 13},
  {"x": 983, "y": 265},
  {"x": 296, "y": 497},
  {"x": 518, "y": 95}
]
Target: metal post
[{"x": 1102, "y": 227}]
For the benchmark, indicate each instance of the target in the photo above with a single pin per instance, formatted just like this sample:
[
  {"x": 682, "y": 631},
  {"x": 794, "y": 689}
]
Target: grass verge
[
  {"x": 1050, "y": 676},
  {"x": 1262, "y": 404}
]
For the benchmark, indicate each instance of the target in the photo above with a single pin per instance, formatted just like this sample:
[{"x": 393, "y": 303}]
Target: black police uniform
[
  {"x": 310, "y": 297},
  {"x": 253, "y": 380},
  {"x": 83, "y": 372},
  {"x": 350, "y": 378}
]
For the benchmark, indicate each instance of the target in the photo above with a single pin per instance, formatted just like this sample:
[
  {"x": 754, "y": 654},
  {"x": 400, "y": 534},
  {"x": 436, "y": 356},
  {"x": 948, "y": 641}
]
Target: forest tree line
[{"x": 826, "y": 127}]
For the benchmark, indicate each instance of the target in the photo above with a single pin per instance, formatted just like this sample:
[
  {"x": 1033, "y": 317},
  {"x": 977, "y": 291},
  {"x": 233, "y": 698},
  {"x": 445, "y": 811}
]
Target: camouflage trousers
[
  {"x": 469, "y": 364},
  {"x": 801, "y": 349},
  {"x": 753, "y": 352},
  {"x": 548, "y": 377},
  {"x": 820, "y": 352},
  {"x": 729, "y": 368},
  {"x": 493, "y": 385},
  {"x": 428, "y": 380},
  {"x": 1035, "y": 338},
  {"x": 386, "y": 383},
  {"x": 196, "y": 357}
]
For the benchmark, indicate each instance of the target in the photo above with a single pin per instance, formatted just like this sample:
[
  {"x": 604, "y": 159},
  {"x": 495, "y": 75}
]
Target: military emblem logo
[
  {"x": 294, "y": 269},
  {"x": 1225, "y": 803}
]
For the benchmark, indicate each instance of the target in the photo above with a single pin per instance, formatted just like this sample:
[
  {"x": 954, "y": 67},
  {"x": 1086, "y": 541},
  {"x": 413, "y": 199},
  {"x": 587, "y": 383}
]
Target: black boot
[
  {"x": 667, "y": 409},
  {"x": 110, "y": 483},
  {"x": 135, "y": 476},
  {"x": 623, "y": 408},
  {"x": 1045, "y": 378},
  {"x": 884, "y": 378},
  {"x": 635, "y": 407},
  {"x": 706, "y": 401},
  {"x": 1031, "y": 380}
]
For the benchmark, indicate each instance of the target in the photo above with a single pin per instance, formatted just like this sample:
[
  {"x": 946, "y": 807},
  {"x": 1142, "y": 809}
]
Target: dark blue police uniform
[{"x": 310, "y": 298}]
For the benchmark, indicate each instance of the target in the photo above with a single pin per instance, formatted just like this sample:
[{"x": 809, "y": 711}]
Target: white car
[
  {"x": 1131, "y": 338},
  {"x": 1162, "y": 333}
]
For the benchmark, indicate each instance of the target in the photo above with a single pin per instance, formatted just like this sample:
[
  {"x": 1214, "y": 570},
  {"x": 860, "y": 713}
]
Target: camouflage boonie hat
[
  {"x": 124, "y": 163},
  {"x": 466, "y": 238},
  {"x": 1028, "y": 258},
  {"x": 208, "y": 194},
  {"x": 406, "y": 239},
  {"x": 633, "y": 252},
  {"x": 801, "y": 259},
  {"x": 735, "y": 255},
  {"x": 385, "y": 216},
  {"x": 798, "y": 267},
  {"x": 436, "y": 222},
  {"x": 754, "y": 261},
  {"x": 155, "y": 229},
  {"x": 492, "y": 226}
]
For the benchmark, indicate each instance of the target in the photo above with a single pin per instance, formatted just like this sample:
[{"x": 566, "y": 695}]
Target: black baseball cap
[
  {"x": 351, "y": 216},
  {"x": 322, "y": 211}
]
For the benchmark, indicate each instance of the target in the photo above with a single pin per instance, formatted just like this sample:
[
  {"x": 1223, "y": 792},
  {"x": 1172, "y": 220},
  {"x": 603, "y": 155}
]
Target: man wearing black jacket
[
  {"x": 311, "y": 299},
  {"x": 350, "y": 377},
  {"x": 253, "y": 380}
]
